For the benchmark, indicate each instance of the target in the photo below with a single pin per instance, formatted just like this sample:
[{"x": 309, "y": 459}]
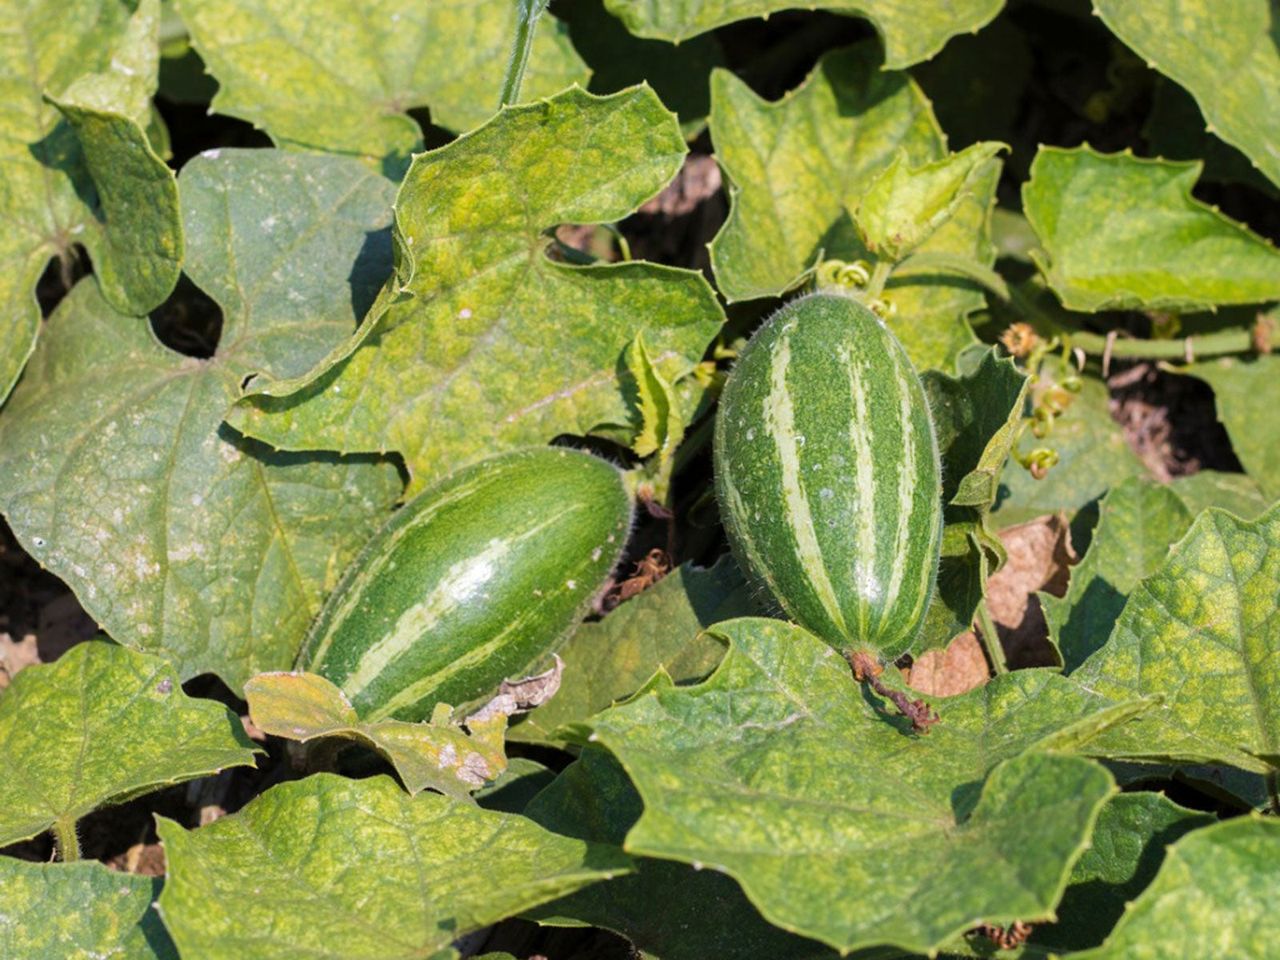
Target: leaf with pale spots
[
  {"x": 1246, "y": 392},
  {"x": 79, "y": 911},
  {"x": 1203, "y": 634},
  {"x": 102, "y": 725},
  {"x": 1213, "y": 897},
  {"x": 484, "y": 343},
  {"x": 816, "y": 797},
  {"x": 1118, "y": 232},
  {"x": 328, "y": 863},
  {"x": 437, "y": 755},
  {"x": 176, "y": 534},
  {"x": 342, "y": 77},
  {"x": 78, "y": 168},
  {"x": 799, "y": 168},
  {"x": 1225, "y": 56},
  {"x": 911, "y": 31}
]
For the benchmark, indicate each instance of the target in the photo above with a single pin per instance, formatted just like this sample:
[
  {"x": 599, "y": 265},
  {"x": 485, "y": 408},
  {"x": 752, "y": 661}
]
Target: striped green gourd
[
  {"x": 473, "y": 581},
  {"x": 828, "y": 477}
]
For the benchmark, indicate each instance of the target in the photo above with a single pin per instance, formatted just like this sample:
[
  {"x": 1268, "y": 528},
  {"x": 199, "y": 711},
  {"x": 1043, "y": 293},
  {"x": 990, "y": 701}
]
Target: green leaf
[
  {"x": 831, "y": 815},
  {"x": 86, "y": 175},
  {"x": 1246, "y": 392},
  {"x": 1202, "y": 634},
  {"x": 487, "y": 344},
  {"x": 1093, "y": 456},
  {"x": 1226, "y": 58},
  {"x": 668, "y": 910},
  {"x": 658, "y": 408},
  {"x": 1233, "y": 492},
  {"x": 976, "y": 416},
  {"x": 523, "y": 780},
  {"x": 1125, "y": 851},
  {"x": 1210, "y": 898},
  {"x": 911, "y": 32},
  {"x": 79, "y": 911},
  {"x": 905, "y": 204},
  {"x": 175, "y": 533},
  {"x": 679, "y": 73},
  {"x": 661, "y": 629},
  {"x": 444, "y": 757},
  {"x": 100, "y": 726},
  {"x": 1122, "y": 233},
  {"x": 342, "y": 77},
  {"x": 1138, "y": 521},
  {"x": 798, "y": 168},
  {"x": 327, "y": 864}
]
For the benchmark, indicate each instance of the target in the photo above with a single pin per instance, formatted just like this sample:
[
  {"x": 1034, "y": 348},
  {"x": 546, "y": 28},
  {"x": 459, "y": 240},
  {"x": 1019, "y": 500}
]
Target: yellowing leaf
[
  {"x": 359, "y": 868},
  {"x": 176, "y": 534},
  {"x": 342, "y": 76},
  {"x": 88, "y": 174},
  {"x": 912, "y": 31},
  {"x": 483, "y": 343},
  {"x": 304, "y": 706},
  {"x": 101, "y": 725},
  {"x": 1118, "y": 232}
]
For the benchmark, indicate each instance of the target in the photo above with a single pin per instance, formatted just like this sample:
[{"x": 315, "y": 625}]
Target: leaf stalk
[
  {"x": 64, "y": 830},
  {"x": 527, "y": 14}
]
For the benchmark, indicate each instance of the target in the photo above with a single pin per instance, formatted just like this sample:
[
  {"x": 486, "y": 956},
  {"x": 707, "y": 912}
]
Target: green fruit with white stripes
[
  {"x": 827, "y": 474},
  {"x": 472, "y": 582}
]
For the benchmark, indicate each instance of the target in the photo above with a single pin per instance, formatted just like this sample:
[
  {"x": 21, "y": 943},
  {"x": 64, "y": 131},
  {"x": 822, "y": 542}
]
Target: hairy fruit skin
[
  {"x": 828, "y": 476},
  {"x": 471, "y": 582}
]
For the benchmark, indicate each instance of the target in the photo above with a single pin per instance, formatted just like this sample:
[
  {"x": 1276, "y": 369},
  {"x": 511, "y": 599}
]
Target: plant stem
[
  {"x": 879, "y": 277},
  {"x": 991, "y": 639},
  {"x": 64, "y": 829},
  {"x": 527, "y": 14},
  {"x": 1273, "y": 791},
  {"x": 939, "y": 262}
]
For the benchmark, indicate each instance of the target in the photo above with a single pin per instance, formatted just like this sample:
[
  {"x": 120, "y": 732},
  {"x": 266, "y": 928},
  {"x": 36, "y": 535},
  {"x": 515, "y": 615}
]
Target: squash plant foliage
[{"x": 533, "y": 470}]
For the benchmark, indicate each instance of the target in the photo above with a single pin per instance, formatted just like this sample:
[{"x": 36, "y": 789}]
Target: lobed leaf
[
  {"x": 75, "y": 80},
  {"x": 357, "y": 868},
  {"x": 175, "y": 533},
  {"x": 305, "y": 706},
  {"x": 838, "y": 823},
  {"x": 911, "y": 32},
  {"x": 79, "y": 911},
  {"x": 1226, "y": 58},
  {"x": 483, "y": 343},
  {"x": 1118, "y": 232},
  {"x": 102, "y": 725},
  {"x": 1246, "y": 393},
  {"x": 659, "y": 630},
  {"x": 342, "y": 77},
  {"x": 1211, "y": 898},
  {"x": 1138, "y": 521},
  {"x": 1203, "y": 633}
]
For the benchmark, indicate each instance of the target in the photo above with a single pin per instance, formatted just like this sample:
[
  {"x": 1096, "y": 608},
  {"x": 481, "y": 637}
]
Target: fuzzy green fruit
[
  {"x": 828, "y": 477},
  {"x": 471, "y": 582}
]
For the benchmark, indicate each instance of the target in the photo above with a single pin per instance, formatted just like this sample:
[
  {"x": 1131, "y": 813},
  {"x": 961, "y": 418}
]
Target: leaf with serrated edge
[
  {"x": 797, "y": 170},
  {"x": 95, "y": 148},
  {"x": 1246, "y": 392},
  {"x": 304, "y": 706},
  {"x": 668, "y": 910},
  {"x": 1125, "y": 851},
  {"x": 487, "y": 344},
  {"x": 79, "y": 911},
  {"x": 1226, "y": 57},
  {"x": 342, "y": 77},
  {"x": 662, "y": 628},
  {"x": 912, "y": 32},
  {"x": 841, "y": 825},
  {"x": 1137, "y": 523},
  {"x": 176, "y": 534},
  {"x": 904, "y": 204},
  {"x": 101, "y": 725},
  {"x": 1203, "y": 633},
  {"x": 1118, "y": 232},
  {"x": 1213, "y": 897},
  {"x": 328, "y": 866}
]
